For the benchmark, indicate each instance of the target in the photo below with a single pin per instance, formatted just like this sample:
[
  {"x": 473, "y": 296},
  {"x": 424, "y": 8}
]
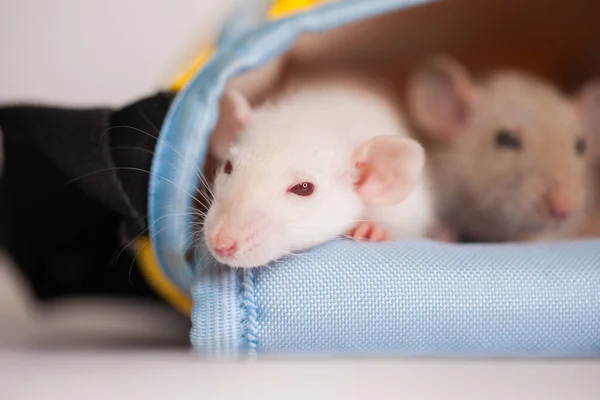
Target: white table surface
[
  {"x": 92, "y": 349},
  {"x": 113, "y": 51}
]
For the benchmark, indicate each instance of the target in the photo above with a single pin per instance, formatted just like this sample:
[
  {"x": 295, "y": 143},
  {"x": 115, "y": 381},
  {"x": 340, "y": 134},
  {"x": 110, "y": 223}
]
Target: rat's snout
[
  {"x": 555, "y": 200},
  {"x": 235, "y": 235},
  {"x": 225, "y": 240},
  {"x": 561, "y": 202},
  {"x": 223, "y": 244}
]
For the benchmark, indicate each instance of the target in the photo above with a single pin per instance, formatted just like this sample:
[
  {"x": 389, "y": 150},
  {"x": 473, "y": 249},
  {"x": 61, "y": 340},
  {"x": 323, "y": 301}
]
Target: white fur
[
  {"x": 310, "y": 134},
  {"x": 410, "y": 219}
]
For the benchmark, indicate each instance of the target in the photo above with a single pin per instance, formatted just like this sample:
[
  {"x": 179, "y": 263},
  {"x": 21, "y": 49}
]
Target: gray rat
[
  {"x": 589, "y": 100},
  {"x": 508, "y": 153},
  {"x": 326, "y": 157}
]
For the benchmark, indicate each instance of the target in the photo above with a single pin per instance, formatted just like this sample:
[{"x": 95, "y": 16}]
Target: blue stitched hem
[
  {"x": 216, "y": 331},
  {"x": 249, "y": 311}
]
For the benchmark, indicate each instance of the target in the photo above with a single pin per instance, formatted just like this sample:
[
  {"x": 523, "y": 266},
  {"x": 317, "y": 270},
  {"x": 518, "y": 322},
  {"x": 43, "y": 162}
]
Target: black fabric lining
[{"x": 67, "y": 193}]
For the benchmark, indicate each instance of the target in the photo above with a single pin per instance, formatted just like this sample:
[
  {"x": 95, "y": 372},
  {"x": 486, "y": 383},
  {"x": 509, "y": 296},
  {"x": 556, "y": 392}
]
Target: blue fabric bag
[{"x": 417, "y": 298}]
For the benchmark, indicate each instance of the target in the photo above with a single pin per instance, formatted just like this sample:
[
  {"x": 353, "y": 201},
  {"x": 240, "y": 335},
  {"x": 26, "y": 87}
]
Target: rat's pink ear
[
  {"x": 234, "y": 113},
  {"x": 587, "y": 104},
  {"x": 388, "y": 169},
  {"x": 440, "y": 95}
]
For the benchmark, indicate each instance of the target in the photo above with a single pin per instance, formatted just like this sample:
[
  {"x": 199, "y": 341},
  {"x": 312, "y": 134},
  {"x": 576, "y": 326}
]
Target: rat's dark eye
[
  {"x": 302, "y": 189},
  {"x": 228, "y": 167},
  {"x": 580, "y": 147},
  {"x": 508, "y": 140}
]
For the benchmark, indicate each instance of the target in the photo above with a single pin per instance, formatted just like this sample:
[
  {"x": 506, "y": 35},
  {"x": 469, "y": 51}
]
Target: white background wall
[{"x": 99, "y": 51}]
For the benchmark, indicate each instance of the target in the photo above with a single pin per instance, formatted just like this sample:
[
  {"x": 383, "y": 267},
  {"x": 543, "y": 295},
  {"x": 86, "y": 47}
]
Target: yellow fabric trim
[
  {"x": 278, "y": 9},
  {"x": 200, "y": 61},
  {"x": 159, "y": 282},
  {"x": 284, "y": 8}
]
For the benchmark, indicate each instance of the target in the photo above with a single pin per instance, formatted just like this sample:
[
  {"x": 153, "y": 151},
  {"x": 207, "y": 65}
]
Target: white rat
[
  {"x": 508, "y": 153},
  {"x": 327, "y": 157}
]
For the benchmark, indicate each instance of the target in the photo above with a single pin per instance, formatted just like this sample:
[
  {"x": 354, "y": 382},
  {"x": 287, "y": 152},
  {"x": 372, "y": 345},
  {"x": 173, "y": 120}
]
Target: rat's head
[
  {"x": 285, "y": 185},
  {"x": 519, "y": 147}
]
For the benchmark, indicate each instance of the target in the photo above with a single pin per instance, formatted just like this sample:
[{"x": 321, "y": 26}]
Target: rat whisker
[
  {"x": 365, "y": 243},
  {"x": 131, "y": 169},
  {"x": 199, "y": 217},
  {"x": 198, "y": 263},
  {"x": 143, "y": 232},
  {"x": 207, "y": 199},
  {"x": 198, "y": 226},
  {"x": 131, "y": 148},
  {"x": 156, "y": 138},
  {"x": 133, "y": 262},
  {"x": 203, "y": 179},
  {"x": 294, "y": 254},
  {"x": 146, "y": 119},
  {"x": 205, "y": 184}
]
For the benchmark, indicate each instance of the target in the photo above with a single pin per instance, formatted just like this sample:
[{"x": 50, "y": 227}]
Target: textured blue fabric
[
  {"x": 415, "y": 298},
  {"x": 347, "y": 298}
]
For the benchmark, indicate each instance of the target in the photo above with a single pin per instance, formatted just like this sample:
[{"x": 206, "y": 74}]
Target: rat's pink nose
[
  {"x": 560, "y": 205},
  {"x": 224, "y": 246},
  {"x": 559, "y": 212}
]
